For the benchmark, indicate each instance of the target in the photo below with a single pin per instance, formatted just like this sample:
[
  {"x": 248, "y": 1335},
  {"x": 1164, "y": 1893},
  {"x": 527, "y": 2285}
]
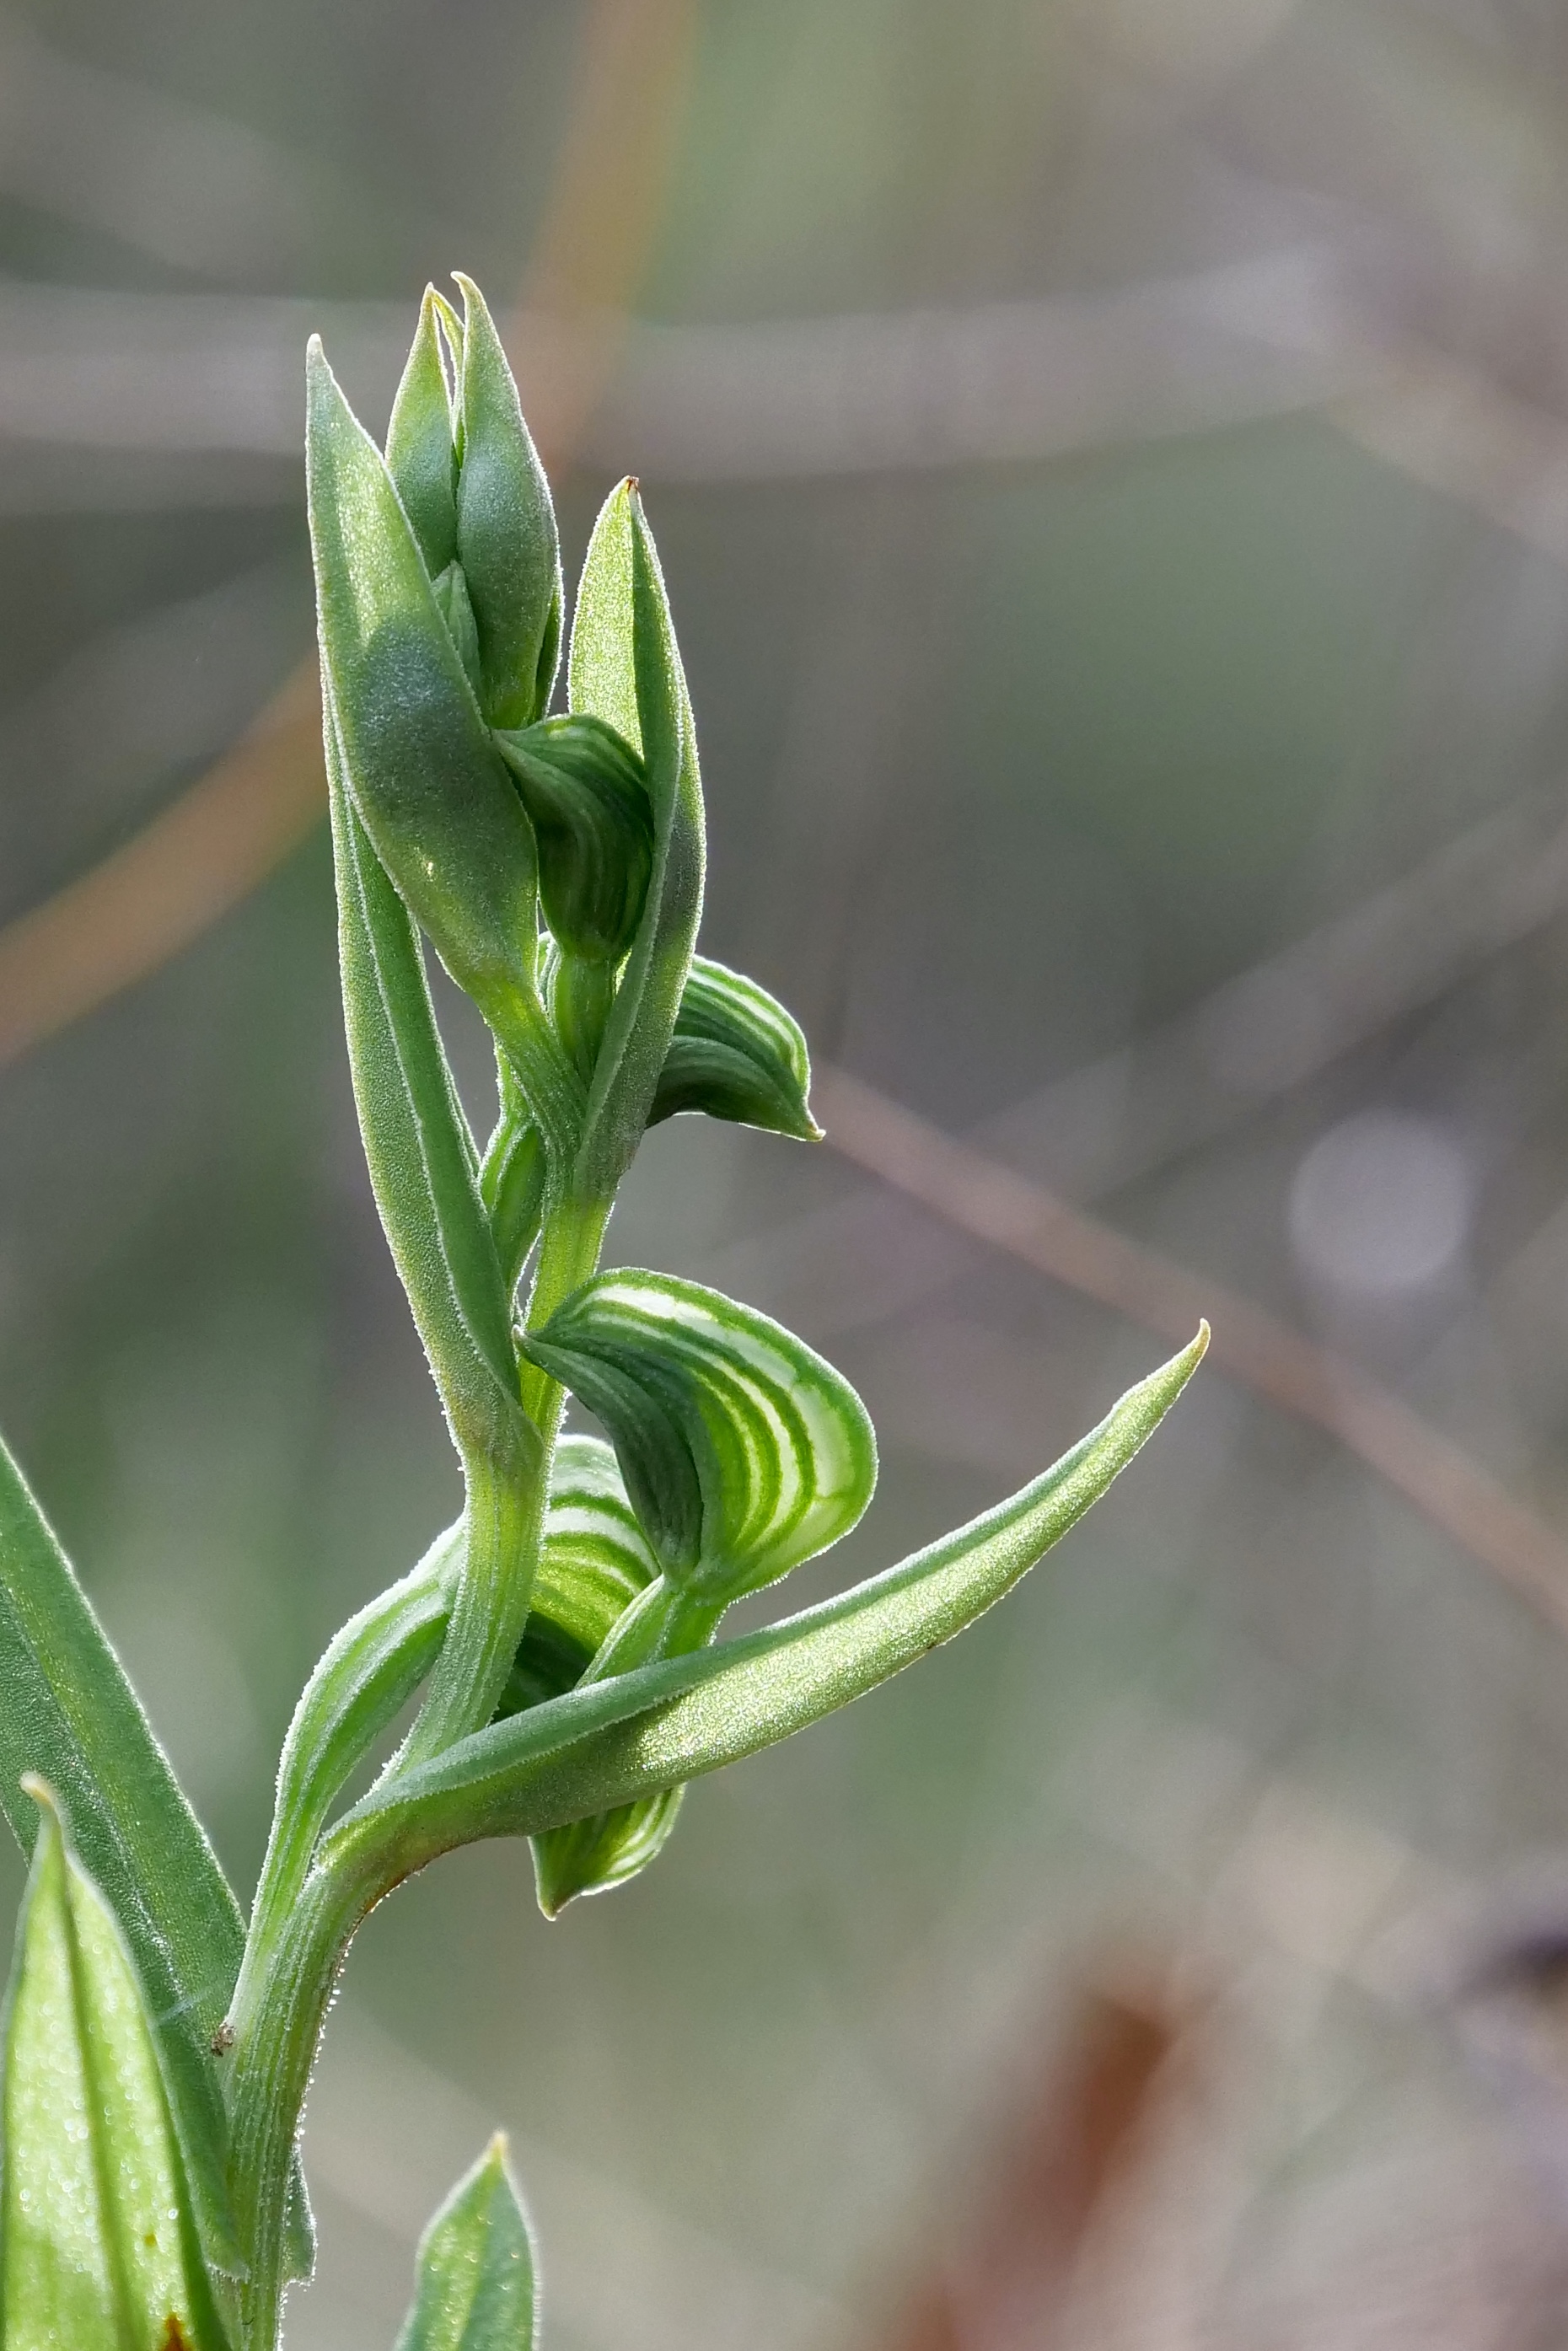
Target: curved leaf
[
  {"x": 613, "y": 1740},
  {"x": 735, "y": 1054},
  {"x": 625, "y": 669},
  {"x": 98, "y": 2240},
  {"x": 744, "y": 1452},
  {"x": 474, "y": 2286}
]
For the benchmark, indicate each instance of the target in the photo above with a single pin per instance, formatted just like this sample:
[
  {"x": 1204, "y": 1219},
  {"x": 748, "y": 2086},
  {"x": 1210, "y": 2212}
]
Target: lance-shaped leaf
[
  {"x": 583, "y": 789},
  {"x": 474, "y": 2286},
  {"x": 71, "y": 1715},
  {"x": 744, "y": 1452},
  {"x": 507, "y": 541},
  {"x": 421, "y": 452},
  {"x": 735, "y": 1054},
  {"x": 99, "y": 2248},
  {"x": 417, "y": 1144},
  {"x": 626, "y": 670},
  {"x": 426, "y": 781},
  {"x": 613, "y": 1740}
]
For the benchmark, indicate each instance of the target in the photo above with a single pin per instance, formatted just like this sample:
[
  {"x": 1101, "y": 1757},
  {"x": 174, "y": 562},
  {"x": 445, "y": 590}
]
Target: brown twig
[
  {"x": 980, "y": 1197},
  {"x": 1058, "y": 2162}
]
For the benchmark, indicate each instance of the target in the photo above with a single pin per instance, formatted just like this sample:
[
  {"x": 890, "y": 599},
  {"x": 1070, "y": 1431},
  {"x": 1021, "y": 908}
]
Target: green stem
[
  {"x": 504, "y": 1532},
  {"x": 291, "y": 1976}
]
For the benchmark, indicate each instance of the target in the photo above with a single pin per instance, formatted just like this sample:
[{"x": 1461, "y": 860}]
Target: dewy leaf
[
  {"x": 744, "y": 1452},
  {"x": 415, "y": 1139},
  {"x": 735, "y": 1054},
  {"x": 626, "y": 670},
  {"x": 426, "y": 781},
  {"x": 584, "y": 789},
  {"x": 474, "y": 2278},
  {"x": 422, "y": 455},
  {"x": 99, "y": 2249},
  {"x": 632, "y": 1734},
  {"x": 71, "y": 1714},
  {"x": 507, "y": 541}
]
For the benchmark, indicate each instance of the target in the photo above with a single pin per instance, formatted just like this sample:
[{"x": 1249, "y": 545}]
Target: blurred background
[{"x": 1111, "y": 462}]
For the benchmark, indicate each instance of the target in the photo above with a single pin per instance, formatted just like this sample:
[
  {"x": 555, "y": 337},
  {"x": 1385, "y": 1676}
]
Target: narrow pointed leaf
[
  {"x": 71, "y": 1716},
  {"x": 632, "y": 1734},
  {"x": 744, "y": 1452},
  {"x": 735, "y": 1054},
  {"x": 625, "y": 669},
  {"x": 422, "y": 455},
  {"x": 421, "y": 1158},
  {"x": 507, "y": 541},
  {"x": 426, "y": 781},
  {"x": 99, "y": 2249},
  {"x": 474, "y": 2278}
]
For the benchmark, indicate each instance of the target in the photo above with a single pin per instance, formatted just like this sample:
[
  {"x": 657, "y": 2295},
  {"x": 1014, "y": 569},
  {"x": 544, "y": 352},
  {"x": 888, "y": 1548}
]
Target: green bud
[
  {"x": 583, "y": 787},
  {"x": 421, "y": 453},
  {"x": 507, "y": 541},
  {"x": 735, "y": 1054},
  {"x": 426, "y": 780}
]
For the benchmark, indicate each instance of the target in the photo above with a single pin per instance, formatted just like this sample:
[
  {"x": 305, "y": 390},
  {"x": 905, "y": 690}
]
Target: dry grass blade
[{"x": 994, "y": 1204}]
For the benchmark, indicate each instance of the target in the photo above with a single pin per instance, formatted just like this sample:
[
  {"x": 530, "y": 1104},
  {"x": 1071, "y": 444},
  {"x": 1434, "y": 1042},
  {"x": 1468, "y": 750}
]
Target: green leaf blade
[
  {"x": 417, "y": 1147},
  {"x": 626, "y": 1737},
  {"x": 474, "y": 2281},
  {"x": 71, "y": 1716},
  {"x": 98, "y": 2241}
]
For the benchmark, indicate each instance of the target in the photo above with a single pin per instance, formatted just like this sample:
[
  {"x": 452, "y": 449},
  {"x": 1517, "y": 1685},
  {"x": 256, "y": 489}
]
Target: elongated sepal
[
  {"x": 99, "y": 2247},
  {"x": 735, "y": 1054},
  {"x": 625, "y": 669},
  {"x": 71, "y": 1714},
  {"x": 426, "y": 781},
  {"x": 744, "y": 1452},
  {"x": 583, "y": 789},
  {"x": 422, "y": 453},
  {"x": 474, "y": 2286},
  {"x": 416, "y": 1141},
  {"x": 507, "y": 541},
  {"x": 630, "y": 1735}
]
